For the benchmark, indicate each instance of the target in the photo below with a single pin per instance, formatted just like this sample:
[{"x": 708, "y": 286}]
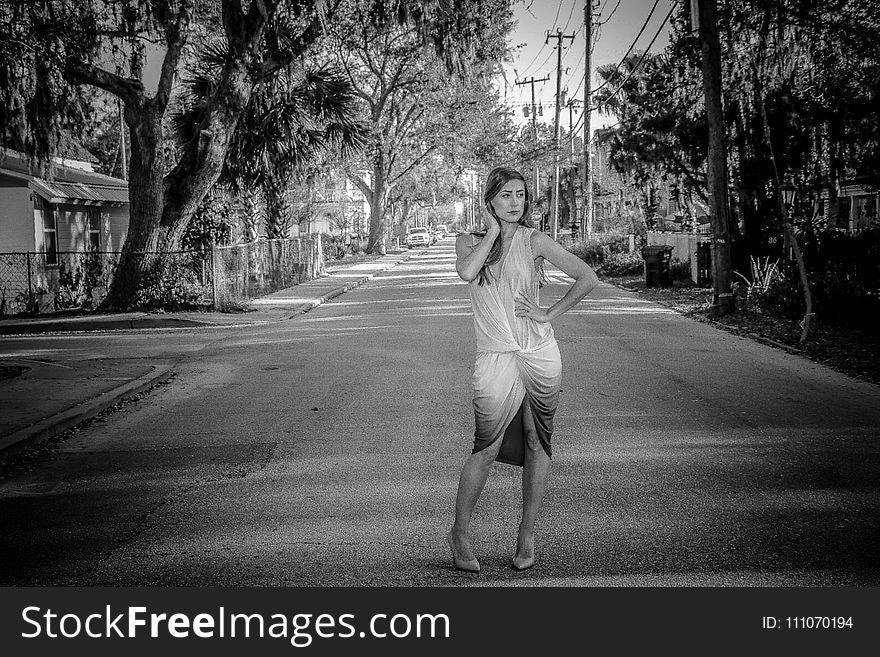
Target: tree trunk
[
  {"x": 278, "y": 206},
  {"x": 196, "y": 173},
  {"x": 376, "y": 240},
  {"x": 252, "y": 217},
  {"x": 140, "y": 253}
]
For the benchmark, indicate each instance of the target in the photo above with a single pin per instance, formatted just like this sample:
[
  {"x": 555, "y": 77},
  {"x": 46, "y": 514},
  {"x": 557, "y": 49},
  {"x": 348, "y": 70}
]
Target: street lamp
[{"x": 789, "y": 193}]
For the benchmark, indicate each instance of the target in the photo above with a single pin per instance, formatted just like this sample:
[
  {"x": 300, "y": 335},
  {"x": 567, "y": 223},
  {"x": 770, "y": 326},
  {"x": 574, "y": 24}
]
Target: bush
[
  {"x": 173, "y": 284},
  {"x": 679, "y": 271},
  {"x": 781, "y": 298},
  {"x": 77, "y": 281},
  {"x": 332, "y": 246},
  {"x": 358, "y": 245},
  {"x": 845, "y": 300},
  {"x": 597, "y": 250},
  {"x": 622, "y": 264}
]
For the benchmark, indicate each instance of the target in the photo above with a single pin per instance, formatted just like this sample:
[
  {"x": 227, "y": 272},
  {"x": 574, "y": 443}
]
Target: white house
[
  {"x": 49, "y": 222},
  {"x": 76, "y": 210}
]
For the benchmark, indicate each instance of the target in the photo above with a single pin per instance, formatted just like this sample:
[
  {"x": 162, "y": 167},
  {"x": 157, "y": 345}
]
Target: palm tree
[{"x": 290, "y": 120}]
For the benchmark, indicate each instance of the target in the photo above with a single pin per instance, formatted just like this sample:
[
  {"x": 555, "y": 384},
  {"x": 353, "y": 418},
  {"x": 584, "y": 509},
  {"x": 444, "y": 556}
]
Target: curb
[
  {"x": 348, "y": 286},
  {"x": 54, "y": 424},
  {"x": 67, "y": 326}
]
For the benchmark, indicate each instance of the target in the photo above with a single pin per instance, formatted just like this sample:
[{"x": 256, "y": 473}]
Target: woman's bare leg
[
  {"x": 534, "y": 484},
  {"x": 470, "y": 485}
]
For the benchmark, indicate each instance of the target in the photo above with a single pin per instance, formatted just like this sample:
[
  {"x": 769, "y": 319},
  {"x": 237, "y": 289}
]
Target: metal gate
[{"x": 704, "y": 264}]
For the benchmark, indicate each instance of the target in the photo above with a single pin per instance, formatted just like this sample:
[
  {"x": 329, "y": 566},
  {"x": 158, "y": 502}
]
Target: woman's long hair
[{"x": 497, "y": 179}]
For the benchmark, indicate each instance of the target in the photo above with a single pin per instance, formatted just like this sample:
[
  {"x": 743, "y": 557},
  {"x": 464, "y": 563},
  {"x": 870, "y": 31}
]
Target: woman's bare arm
[
  {"x": 470, "y": 260},
  {"x": 585, "y": 280}
]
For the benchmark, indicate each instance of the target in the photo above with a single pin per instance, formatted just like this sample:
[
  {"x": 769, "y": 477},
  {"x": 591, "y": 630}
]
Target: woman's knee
[
  {"x": 533, "y": 442},
  {"x": 486, "y": 456}
]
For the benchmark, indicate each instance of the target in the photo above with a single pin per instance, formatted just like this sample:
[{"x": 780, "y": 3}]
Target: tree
[
  {"x": 290, "y": 120},
  {"x": 801, "y": 97},
  {"x": 413, "y": 105},
  {"x": 52, "y": 50},
  {"x": 662, "y": 126},
  {"x": 65, "y": 43}
]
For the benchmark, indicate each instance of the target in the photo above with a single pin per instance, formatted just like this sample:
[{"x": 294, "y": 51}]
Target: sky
[
  {"x": 620, "y": 22},
  {"x": 619, "y": 25}
]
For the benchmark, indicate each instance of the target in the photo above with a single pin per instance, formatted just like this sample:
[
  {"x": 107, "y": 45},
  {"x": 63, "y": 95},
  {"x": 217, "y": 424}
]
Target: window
[
  {"x": 93, "y": 227},
  {"x": 50, "y": 242}
]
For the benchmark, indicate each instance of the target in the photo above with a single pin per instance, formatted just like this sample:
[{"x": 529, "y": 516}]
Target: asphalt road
[{"x": 325, "y": 451}]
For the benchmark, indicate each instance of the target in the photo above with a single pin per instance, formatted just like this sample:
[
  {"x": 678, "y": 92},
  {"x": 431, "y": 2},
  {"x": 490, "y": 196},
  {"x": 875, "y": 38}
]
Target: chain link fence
[
  {"x": 246, "y": 271},
  {"x": 225, "y": 278},
  {"x": 40, "y": 283}
]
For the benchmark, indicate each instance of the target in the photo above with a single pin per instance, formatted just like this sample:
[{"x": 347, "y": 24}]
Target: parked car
[{"x": 418, "y": 236}]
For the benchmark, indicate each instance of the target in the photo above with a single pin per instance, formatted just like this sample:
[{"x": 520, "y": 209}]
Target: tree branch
[
  {"x": 176, "y": 35},
  {"x": 421, "y": 157},
  {"x": 362, "y": 186},
  {"x": 130, "y": 91}
]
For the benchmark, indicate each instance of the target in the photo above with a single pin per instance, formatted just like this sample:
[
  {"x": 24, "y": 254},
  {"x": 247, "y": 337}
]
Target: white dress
[{"x": 517, "y": 358}]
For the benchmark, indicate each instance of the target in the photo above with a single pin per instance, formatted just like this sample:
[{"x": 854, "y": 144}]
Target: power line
[
  {"x": 632, "y": 45},
  {"x": 556, "y": 20},
  {"x": 534, "y": 59},
  {"x": 637, "y": 64},
  {"x": 609, "y": 15},
  {"x": 571, "y": 13}
]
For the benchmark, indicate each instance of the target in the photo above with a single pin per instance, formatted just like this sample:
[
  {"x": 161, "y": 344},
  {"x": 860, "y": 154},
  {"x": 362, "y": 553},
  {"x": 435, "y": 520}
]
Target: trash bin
[{"x": 657, "y": 265}]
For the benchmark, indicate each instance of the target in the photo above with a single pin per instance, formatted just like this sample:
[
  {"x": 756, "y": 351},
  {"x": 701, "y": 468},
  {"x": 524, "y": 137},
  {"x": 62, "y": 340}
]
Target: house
[
  {"x": 338, "y": 207},
  {"x": 857, "y": 207},
  {"x": 48, "y": 222},
  {"x": 75, "y": 210}
]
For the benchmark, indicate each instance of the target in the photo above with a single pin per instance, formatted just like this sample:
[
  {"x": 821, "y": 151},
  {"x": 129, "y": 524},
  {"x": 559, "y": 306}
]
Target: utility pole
[
  {"x": 574, "y": 102},
  {"x": 531, "y": 82},
  {"x": 559, "y": 36},
  {"x": 723, "y": 301},
  {"x": 122, "y": 141},
  {"x": 587, "y": 221}
]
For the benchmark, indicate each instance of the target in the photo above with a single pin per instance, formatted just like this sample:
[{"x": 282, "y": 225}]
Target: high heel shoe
[
  {"x": 523, "y": 563},
  {"x": 468, "y": 565}
]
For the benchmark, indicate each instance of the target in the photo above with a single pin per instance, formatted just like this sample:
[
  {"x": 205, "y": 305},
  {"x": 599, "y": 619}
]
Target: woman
[{"x": 518, "y": 369}]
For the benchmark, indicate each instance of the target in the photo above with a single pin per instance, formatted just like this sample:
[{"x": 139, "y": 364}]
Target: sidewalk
[
  {"x": 69, "y": 394},
  {"x": 278, "y": 306}
]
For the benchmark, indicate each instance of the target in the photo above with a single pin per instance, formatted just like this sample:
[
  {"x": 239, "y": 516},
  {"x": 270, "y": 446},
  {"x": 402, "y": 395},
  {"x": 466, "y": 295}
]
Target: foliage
[
  {"x": 801, "y": 88},
  {"x": 172, "y": 284},
  {"x": 596, "y": 250},
  {"x": 679, "y": 271},
  {"x": 763, "y": 274},
  {"x": 844, "y": 274},
  {"x": 291, "y": 118},
  {"x": 843, "y": 271},
  {"x": 52, "y": 52},
  {"x": 422, "y": 120},
  {"x": 75, "y": 284},
  {"x": 333, "y": 247},
  {"x": 622, "y": 264},
  {"x": 663, "y": 132}
]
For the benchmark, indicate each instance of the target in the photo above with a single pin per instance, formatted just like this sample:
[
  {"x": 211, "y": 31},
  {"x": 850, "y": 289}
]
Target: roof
[{"x": 65, "y": 184}]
